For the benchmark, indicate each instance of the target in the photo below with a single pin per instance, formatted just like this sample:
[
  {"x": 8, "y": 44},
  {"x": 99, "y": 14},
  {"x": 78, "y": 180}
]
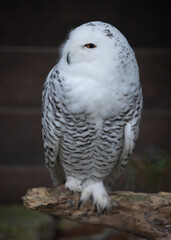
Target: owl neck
[{"x": 83, "y": 71}]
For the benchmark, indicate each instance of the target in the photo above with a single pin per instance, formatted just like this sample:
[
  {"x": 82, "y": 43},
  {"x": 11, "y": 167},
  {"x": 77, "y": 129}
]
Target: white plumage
[{"x": 92, "y": 102}]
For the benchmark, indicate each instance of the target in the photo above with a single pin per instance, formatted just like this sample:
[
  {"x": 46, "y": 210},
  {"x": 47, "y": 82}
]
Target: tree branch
[{"x": 142, "y": 214}]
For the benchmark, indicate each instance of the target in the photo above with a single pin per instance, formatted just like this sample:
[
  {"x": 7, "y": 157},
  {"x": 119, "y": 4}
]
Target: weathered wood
[{"x": 142, "y": 214}]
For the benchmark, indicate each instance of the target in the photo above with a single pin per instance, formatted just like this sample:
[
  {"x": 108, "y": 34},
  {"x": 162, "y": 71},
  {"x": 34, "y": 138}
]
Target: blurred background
[{"x": 30, "y": 35}]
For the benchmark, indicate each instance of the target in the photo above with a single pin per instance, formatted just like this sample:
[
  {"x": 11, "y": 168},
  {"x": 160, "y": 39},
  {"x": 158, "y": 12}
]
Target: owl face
[
  {"x": 92, "y": 43},
  {"x": 96, "y": 50}
]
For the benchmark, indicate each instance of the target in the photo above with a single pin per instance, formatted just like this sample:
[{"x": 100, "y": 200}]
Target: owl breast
[
  {"x": 87, "y": 151},
  {"x": 90, "y": 142}
]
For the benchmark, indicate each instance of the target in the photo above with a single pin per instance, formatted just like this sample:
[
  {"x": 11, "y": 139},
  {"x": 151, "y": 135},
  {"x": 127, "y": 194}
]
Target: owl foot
[
  {"x": 100, "y": 197},
  {"x": 73, "y": 185}
]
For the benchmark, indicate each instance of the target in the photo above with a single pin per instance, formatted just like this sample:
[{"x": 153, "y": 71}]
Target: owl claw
[
  {"x": 79, "y": 204},
  {"x": 103, "y": 210}
]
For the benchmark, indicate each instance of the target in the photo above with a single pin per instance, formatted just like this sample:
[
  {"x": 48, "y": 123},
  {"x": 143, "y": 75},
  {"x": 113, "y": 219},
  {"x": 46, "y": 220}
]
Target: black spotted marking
[
  {"x": 108, "y": 33},
  {"x": 52, "y": 137},
  {"x": 136, "y": 115},
  {"x": 54, "y": 75},
  {"x": 50, "y": 149},
  {"x": 138, "y": 107},
  {"x": 50, "y": 155},
  {"x": 51, "y": 76},
  {"x": 90, "y": 24},
  {"x": 68, "y": 59}
]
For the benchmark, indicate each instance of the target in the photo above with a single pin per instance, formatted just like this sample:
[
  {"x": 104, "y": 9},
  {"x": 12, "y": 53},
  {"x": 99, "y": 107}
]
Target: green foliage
[
  {"x": 151, "y": 174},
  {"x": 18, "y": 223}
]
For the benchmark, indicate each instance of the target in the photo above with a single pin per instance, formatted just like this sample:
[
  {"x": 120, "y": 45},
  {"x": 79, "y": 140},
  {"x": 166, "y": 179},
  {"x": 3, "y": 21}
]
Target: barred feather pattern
[
  {"x": 92, "y": 102},
  {"x": 84, "y": 150}
]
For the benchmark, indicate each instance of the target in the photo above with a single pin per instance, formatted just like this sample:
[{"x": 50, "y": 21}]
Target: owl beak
[{"x": 68, "y": 59}]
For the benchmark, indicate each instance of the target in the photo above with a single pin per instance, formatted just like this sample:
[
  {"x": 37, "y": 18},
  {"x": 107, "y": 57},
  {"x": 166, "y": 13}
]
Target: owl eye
[{"x": 90, "y": 45}]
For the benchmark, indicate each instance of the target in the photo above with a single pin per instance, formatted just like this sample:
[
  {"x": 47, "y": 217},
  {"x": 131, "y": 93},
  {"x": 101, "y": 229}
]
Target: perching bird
[{"x": 91, "y": 104}]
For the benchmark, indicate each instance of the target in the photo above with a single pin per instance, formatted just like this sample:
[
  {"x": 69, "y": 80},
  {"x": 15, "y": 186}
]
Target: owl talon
[
  {"x": 79, "y": 204},
  {"x": 104, "y": 210}
]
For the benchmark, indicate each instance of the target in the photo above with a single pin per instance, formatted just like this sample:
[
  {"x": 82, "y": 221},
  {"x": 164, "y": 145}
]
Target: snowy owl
[{"x": 91, "y": 110}]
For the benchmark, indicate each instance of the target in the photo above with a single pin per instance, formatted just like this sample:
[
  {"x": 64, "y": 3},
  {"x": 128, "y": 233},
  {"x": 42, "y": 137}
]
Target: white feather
[{"x": 88, "y": 88}]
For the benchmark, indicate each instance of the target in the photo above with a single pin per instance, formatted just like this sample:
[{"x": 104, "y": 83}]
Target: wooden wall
[
  {"x": 27, "y": 27},
  {"x": 23, "y": 71},
  {"x": 47, "y": 22}
]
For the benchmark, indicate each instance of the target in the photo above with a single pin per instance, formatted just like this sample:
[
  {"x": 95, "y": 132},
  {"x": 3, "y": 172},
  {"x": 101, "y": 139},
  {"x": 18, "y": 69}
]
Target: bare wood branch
[{"x": 142, "y": 214}]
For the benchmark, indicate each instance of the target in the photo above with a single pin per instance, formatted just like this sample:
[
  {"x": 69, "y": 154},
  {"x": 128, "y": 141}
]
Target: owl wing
[
  {"x": 51, "y": 128},
  {"x": 131, "y": 131}
]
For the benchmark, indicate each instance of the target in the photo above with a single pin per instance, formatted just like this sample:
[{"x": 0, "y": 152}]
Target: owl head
[{"x": 94, "y": 46}]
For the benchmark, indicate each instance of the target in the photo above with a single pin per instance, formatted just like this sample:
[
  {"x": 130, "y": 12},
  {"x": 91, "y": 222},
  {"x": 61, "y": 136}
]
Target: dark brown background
[
  {"x": 30, "y": 34},
  {"x": 46, "y": 22}
]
